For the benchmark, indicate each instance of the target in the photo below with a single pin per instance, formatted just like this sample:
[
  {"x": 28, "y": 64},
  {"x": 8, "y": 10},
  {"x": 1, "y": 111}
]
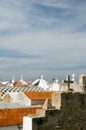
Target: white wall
[{"x": 27, "y": 123}]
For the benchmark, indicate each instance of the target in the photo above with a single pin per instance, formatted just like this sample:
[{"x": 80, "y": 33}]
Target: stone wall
[
  {"x": 73, "y": 112},
  {"x": 70, "y": 116}
]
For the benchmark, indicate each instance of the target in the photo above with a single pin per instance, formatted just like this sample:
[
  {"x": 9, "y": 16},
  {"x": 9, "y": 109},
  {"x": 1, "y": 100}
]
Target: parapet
[{"x": 63, "y": 100}]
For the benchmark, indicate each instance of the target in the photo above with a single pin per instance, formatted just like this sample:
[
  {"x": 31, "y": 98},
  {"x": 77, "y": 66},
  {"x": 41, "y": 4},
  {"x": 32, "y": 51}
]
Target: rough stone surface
[{"x": 71, "y": 115}]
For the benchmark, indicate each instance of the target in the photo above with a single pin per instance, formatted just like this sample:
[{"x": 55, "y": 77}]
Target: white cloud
[
  {"x": 12, "y": 16},
  {"x": 57, "y": 41}
]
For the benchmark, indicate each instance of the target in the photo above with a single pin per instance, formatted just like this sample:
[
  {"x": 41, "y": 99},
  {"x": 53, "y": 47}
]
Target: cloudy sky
[{"x": 42, "y": 37}]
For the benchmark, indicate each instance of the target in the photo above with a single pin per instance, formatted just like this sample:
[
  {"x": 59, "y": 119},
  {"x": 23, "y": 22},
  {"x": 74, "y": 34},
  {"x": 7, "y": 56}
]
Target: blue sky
[{"x": 45, "y": 37}]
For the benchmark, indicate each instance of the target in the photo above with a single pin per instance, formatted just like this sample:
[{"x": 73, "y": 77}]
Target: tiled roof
[
  {"x": 19, "y": 83},
  {"x": 21, "y": 89},
  {"x": 14, "y": 116},
  {"x": 38, "y": 95}
]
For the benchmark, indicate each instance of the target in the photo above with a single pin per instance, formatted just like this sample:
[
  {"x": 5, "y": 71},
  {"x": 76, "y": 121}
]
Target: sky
[{"x": 42, "y": 37}]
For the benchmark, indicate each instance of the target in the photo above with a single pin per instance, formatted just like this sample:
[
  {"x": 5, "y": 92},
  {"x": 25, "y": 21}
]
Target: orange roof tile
[
  {"x": 14, "y": 116},
  {"x": 38, "y": 95},
  {"x": 19, "y": 84}
]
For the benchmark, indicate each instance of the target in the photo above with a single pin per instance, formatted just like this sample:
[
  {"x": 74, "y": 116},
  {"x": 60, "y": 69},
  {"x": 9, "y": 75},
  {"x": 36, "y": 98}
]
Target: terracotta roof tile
[
  {"x": 38, "y": 95},
  {"x": 13, "y": 116},
  {"x": 19, "y": 84}
]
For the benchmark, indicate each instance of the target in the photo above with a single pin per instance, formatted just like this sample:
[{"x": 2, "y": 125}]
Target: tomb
[{"x": 67, "y": 112}]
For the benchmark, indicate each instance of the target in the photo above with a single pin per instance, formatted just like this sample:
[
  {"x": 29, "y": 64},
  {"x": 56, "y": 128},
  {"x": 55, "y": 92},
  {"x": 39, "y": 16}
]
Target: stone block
[
  {"x": 40, "y": 112},
  {"x": 56, "y": 100},
  {"x": 47, "y": 122}
]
